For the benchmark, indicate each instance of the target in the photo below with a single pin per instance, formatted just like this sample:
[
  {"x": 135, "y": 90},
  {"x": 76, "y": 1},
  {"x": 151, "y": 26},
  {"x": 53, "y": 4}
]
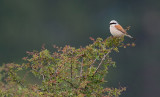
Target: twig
[
  {"x": 16, "y": 79},
  {"x": 71, "y": 71},
  {"x": 70, "y": 83},
  {"x": 93, "y": 62},
  {"x": 25, "y": 75},
  {"x": 43, "y": 76},
  {"x": 102, "y": 61},
  {"x": 81, "y": 68}
]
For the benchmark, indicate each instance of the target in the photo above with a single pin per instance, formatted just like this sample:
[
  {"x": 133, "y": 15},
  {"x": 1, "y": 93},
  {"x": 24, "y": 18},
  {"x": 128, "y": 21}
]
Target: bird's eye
[{"x": 112, "y": 23}]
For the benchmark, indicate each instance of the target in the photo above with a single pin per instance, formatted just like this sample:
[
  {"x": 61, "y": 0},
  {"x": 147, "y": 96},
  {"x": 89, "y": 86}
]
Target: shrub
[{"x": 67, "y": 72}]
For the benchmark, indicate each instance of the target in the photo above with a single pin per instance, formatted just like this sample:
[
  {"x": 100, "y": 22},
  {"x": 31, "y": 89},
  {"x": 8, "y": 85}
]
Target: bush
[{"x": 67, "y": 72}]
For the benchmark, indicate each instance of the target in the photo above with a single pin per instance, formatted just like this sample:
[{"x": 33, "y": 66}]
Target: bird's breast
[{"x": 115, "y": 32}]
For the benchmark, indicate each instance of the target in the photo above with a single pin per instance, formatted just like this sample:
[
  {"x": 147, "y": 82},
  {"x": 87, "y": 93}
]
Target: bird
[{"x": 117, "y": 30}]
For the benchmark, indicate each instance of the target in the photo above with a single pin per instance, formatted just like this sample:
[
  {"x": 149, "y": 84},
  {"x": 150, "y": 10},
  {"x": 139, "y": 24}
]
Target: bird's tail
[{"x": 130, "y": 36}]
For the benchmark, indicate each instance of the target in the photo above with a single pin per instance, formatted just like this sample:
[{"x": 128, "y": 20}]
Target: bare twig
[
  {"x": 93, "y": 62},
  {"x": 43, "y": 76},
  {"x": 15, "y": 79},
  {"x": 25, "y": 75},
  {"x": 71, "y": 71},
  {"x": 81, "y": 68},
  {"x": 72, "y": 85},
  {"x": 102, "y": 60}
]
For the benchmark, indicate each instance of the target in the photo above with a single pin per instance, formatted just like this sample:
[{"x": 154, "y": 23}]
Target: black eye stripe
[{"x": 112, "y": 23}]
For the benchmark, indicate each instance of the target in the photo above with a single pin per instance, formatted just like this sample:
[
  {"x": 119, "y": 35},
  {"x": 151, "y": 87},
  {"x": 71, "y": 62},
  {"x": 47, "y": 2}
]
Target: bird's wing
[{"x": 119, "y": 27}]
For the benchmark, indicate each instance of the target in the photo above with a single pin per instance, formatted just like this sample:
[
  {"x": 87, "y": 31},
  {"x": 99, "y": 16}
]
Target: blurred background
[{"x": 27, "y": 24}]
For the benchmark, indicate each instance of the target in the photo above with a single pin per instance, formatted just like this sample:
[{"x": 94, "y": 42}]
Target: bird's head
[{"x": 113, "y": 22}]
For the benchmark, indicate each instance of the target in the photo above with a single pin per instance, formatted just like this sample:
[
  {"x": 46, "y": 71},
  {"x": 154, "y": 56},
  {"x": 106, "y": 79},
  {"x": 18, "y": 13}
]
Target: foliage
[{"x": 67, "y": 72}]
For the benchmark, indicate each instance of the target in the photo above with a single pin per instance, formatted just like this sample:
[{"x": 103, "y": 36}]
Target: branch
[
  {"x": 71, "y": 71},
  {"x": 43, "y": 76},
  {"x": 81, "y": 68},
  {"x": 25, "y": 75},
  {"x": 70, "y": 84},
  {"x": 102, "y": 60},
  {"x": 93, "y": 62},
  {"x": 15, "y": 79}
]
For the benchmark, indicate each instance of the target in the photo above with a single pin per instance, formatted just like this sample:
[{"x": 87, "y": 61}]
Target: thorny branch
[
  {"x": 93, "y": 62},
  {"x": 102, "y": 60},
  {"x": 81, "y": 68},
  {"x": 71, "y": 71},
  {"x": 70, "y": 83},
  {"x": 17, "y": 80}
]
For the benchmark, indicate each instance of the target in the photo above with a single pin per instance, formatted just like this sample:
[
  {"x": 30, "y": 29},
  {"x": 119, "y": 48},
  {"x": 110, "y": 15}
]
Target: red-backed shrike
[{"x": 117, "y": 30}]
